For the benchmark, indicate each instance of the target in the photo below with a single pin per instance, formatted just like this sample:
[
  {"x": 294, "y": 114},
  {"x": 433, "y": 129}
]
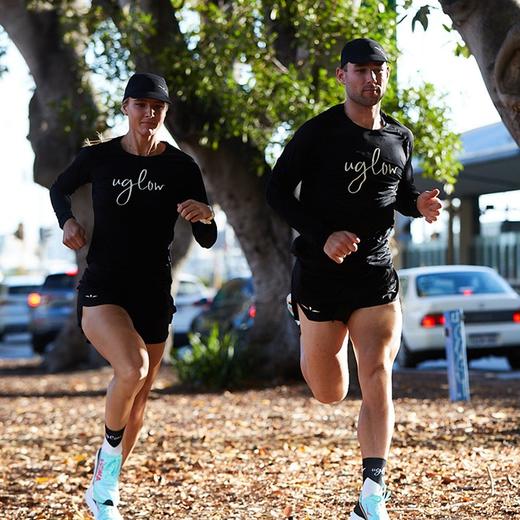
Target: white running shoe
[
  {"x": 102, "y": 496},
  {"x": 372, "y": 501},
  {"x": 101, "y": 511}
]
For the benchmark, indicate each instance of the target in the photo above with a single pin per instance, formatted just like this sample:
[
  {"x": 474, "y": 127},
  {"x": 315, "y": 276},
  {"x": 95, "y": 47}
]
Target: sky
[{"x": 426, "y": 56}]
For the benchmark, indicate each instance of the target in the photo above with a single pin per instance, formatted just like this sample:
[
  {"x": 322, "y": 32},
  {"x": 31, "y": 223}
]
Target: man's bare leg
[{"x": 323, "y": 358}]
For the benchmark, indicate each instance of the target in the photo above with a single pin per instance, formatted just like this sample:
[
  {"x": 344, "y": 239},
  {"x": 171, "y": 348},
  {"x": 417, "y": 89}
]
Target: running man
[
  {"x": 140, "y": 186},
  {"x": 354, "y": 163}
]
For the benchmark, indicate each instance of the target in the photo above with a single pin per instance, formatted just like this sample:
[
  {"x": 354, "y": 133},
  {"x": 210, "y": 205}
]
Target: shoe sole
[
  {"x": 354, "y": 516},
  {"x": 91, "y": 503},
  {"x": 89, "y": 494}
]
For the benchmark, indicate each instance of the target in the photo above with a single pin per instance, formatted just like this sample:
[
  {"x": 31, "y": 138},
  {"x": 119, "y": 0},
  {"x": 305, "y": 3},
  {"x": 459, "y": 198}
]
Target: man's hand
[
  {"x": 193, "y": 211},
  {"x": 74, "y": 235},
  {"x": 429, "y": 205},
  {"x": 341, "y": 244}
]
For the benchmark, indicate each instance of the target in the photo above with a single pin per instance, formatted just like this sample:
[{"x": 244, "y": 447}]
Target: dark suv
[
  {"x": 50, "y": 308},
  {"x": 232, "y": 309}
]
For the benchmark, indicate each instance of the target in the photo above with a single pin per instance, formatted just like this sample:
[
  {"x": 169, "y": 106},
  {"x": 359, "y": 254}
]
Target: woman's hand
[
  {"x": 429, "y": 205},
  {"x": 74, "y": 235},
  {"x": 194, "y": 211}
]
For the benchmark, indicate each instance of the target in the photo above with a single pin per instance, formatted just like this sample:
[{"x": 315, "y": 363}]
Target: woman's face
[{"x": 145, "y": 115}]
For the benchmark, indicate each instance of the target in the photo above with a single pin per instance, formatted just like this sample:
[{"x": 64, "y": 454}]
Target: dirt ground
[{"x": 272, "y": 453}]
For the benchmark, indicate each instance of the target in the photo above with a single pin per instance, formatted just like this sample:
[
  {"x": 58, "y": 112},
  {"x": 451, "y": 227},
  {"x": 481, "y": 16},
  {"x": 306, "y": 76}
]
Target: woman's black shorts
[
  {"x": 325, "y": 296},
  {"x": 147, "y": 301}
]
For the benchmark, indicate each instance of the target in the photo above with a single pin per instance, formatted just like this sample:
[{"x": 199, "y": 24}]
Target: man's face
[
  {"x": 145, "y": 115},
  {"x": 365, "y": 83}
]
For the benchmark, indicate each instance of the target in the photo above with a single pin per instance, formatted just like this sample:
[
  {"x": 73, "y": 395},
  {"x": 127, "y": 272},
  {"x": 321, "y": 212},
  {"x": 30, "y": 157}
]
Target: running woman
[
  {"x": 140, "y": 186},
  {"x": 354, "y": 163}
]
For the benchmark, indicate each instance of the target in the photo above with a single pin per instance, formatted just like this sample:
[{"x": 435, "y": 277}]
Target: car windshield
[
  {"x": 59, "y": 281},
  {"x": 459, "y": 283},
  {"x": 233, "y": 292}
]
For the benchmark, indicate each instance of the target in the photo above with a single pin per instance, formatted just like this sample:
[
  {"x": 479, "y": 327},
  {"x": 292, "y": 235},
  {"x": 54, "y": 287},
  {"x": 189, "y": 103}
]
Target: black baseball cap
[
  {"x": 362, "y": 50},
  {"x": 147, "y": 85}
]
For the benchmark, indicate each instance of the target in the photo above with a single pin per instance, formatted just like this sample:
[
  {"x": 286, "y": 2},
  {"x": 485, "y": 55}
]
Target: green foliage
[
  {"x": 422, "y": 110},
  {"x": 255, "y": 70},
  {"x": 421, "y": 16},
  {"x": 211, "y": 363},
  {"x": 269, "y": 63},
  {"x": 461, "y": 49}
]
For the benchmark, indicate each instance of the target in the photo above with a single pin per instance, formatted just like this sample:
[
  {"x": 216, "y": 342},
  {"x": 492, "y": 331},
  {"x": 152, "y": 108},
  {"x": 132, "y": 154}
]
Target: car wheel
[
  {"x": 39, "y": 342},
  {"x": 405, "y": 358},
  {"x": 514, "y": 360}
]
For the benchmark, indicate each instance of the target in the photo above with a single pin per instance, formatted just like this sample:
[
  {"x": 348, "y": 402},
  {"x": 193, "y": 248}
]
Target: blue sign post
[{"x": 458, "y": 377}]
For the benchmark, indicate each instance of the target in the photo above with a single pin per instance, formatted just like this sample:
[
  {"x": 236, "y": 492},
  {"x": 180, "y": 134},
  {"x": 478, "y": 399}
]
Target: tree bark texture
[
  {"x": 491, "y": 30},
  {"x": 230, "y": 175},
  {"x": 62, "y": 113}
]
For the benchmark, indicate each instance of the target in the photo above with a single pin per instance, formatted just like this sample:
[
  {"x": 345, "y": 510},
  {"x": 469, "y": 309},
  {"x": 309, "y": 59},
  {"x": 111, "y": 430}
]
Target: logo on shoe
[{"x": 99, "y": 470}]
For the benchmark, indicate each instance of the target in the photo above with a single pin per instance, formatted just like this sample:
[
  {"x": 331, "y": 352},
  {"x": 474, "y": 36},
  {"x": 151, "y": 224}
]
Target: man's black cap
[
  {"x": 362, "y": 50},
  {"x": 147, "y": 85}
]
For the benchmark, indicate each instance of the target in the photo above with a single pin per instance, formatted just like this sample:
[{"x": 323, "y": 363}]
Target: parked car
[
  {"x": 192, "y": 298},
  {"x": 490, "y": 305},
  {"x": 14, "y": 315},
  {"x": 50, "y": 307},
  {"x": 232, "y": 309}
]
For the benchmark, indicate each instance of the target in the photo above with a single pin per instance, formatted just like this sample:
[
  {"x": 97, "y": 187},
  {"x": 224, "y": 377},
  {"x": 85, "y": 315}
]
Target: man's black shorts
[
  {"x": 330, "y": 296},
  {"x": 147, "y": 301}
]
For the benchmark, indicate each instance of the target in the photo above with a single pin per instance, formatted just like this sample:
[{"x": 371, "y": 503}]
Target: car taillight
[
  {"x": 516, "y": 317},
  {"x": 34, "y": 299},
  {"x": 252, "y": 311},
  {"x": 432, "y": 320},
  {"x": 72, "y": 273}
]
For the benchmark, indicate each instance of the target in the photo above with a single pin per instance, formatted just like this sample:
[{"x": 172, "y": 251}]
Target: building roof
[{"x": 491, "y": 160}]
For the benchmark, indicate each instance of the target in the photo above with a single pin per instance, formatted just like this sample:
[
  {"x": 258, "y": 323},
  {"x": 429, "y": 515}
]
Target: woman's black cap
[
  {"x": 147, "y": 85},
  {"x": 362, "y": 50}
]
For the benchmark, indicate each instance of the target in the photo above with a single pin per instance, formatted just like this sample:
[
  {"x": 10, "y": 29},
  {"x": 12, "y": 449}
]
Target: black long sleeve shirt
[
  {"x": 352, "y": 179},
  {"x": 135, "y": 203}
]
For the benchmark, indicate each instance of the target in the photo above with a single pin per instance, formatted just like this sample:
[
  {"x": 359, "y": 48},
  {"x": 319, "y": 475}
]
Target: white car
[
  {"x": 192, "y": 298},
  {"x": 14, "y": 311},
  {"x": 490, "y": 305}
]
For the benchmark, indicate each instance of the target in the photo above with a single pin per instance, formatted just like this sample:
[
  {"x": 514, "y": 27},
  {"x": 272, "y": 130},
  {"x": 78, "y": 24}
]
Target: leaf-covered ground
[{"x": 259, "y": 454}]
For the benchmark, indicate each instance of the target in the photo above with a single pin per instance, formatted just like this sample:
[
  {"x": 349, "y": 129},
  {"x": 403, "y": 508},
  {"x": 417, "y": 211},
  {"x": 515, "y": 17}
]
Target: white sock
[{"x": 110, "y": 450}]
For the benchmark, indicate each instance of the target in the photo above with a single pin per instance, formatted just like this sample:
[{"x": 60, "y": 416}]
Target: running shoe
[
  {"x": 354, "y": 516},
  {"x": 102, "y": 496},
  {"x": 373, "y": 505}
]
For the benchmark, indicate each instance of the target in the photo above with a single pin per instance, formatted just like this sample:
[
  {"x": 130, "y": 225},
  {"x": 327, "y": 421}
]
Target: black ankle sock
[
  {"x": 114, "y": 438},
  {"x": 374, "y": 469}
]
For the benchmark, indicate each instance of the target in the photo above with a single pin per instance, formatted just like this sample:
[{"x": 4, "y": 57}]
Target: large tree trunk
[
  {"x": 230, "y": 174},
  {"x": 62, "y": 113},
  {"x": 491, "y": 30},
  {"x": 265, "y": 239}
]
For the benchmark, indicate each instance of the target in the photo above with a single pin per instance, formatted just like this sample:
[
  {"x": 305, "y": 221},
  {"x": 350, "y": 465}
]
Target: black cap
[
  {"x": 147, "y": 85},
  {"x": 362, "y": 50}
]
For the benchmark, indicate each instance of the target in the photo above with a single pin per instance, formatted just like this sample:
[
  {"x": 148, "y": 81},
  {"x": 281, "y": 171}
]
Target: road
[{"x": 18, "y": 346}]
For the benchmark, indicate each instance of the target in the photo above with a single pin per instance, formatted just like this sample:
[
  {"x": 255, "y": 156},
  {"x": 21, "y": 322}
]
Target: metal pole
[{"x": 456, "y": 356}]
